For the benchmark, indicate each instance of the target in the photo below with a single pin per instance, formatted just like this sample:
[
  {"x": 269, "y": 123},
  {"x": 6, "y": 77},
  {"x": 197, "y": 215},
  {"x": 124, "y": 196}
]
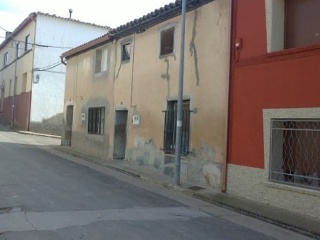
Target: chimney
[
  {"x": 70, "y": 13},
  {"x": 8, "y": 34}
]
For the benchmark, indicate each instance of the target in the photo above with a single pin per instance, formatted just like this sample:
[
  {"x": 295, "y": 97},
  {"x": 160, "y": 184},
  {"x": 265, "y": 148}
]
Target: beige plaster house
[{"x": 121, "y": 91}]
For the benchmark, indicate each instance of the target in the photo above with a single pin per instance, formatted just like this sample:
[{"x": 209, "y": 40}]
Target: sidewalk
[{"x": 299, "y": 223}]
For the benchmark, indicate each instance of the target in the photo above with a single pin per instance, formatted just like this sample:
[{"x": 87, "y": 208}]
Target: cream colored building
[{"x": 121, "y": 92}]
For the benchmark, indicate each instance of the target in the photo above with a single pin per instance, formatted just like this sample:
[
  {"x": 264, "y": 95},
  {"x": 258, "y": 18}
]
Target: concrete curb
[{"x": 38, "y": 134}]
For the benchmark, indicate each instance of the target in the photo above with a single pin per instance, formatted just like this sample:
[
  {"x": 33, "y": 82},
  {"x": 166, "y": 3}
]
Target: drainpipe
[
  {"x": 14, "y": 88},
  {"x": 180, "y": 96},
  {"x": 231, "y": 75}
]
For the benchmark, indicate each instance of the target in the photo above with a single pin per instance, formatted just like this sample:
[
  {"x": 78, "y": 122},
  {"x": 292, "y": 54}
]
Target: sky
[{"x": 105, "y": 13}]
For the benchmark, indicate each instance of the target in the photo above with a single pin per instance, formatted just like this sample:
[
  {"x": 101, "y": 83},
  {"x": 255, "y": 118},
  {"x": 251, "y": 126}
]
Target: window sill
[
  {"x": 296, "y": 50},
  {"x": 301, "y": 190},
  {"x": 125, "y": 61},
  {"x": 167, "y": 55}
]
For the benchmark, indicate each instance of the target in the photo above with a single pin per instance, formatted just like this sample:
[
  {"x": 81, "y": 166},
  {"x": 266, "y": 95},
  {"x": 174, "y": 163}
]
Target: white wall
[{"x": 48, "y": 94}]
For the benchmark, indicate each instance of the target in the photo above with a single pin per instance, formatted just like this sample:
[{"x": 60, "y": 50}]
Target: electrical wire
[{"x": 35, "y": 44}]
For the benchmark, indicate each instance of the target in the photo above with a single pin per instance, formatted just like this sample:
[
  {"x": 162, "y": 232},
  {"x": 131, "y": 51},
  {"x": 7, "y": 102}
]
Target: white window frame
[
  {"x": 5, "y": 59},
  {"x": 103, "y": 65},
  {"x": 17, "y": 49}
]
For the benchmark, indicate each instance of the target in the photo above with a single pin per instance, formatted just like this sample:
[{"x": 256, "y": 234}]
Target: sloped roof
[
  {"x": 138, "y": 25},
  {"x": 33, "y": 16}
]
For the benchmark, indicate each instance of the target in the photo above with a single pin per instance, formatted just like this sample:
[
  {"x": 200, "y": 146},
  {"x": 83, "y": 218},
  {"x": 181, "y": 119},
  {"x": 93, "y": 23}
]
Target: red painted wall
[
  {"x": 287, "y": 79},
  {"x": 22, "y": 109}
]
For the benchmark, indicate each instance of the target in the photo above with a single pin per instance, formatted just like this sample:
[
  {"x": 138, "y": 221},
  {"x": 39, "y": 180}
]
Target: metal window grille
[
  {"x": 170, "y": 127},
  {"x": 96, "y": 120},
  {"x": 295, "y": 152}
]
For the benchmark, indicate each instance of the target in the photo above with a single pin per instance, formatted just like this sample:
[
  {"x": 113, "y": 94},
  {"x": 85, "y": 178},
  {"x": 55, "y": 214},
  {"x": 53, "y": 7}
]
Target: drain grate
[{"x": 195, "y": 188}]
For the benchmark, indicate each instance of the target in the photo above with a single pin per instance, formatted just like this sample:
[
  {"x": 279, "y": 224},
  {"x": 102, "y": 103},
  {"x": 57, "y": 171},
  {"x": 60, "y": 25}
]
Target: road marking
[{"x": 27, "y": 221}]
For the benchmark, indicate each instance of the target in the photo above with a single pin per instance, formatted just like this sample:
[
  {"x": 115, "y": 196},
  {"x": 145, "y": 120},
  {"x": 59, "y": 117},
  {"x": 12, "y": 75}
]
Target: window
[
  {"x": 5, "y": 59},
  {"x": 101, "y": 60},
  {"x": 292, "y": 23},
  {"x": 295, "y": 152},
  {"x": 24, "y": 82},
  {"x": 170, "y": 127},
  {"x": 125, "y": 52},
  {"x": 96, "y": 120},
  {"x": 17, "y": 49},
  {"x": 166, "y": 41},
  {"x": 27, "y": 45},
  {"x": 302, "y": 26}
]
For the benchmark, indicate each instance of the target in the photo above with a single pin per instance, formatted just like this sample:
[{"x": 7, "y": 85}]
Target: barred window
[
  {"x": 295, "y": 152},
  {"x": 170, "y": 127},
  {"x": 96, "y": 120}
]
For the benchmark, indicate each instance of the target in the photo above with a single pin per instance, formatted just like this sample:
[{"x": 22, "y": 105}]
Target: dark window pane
[
  {"x": 167, "y": 41},
  {"x": 302, "y": 23}
]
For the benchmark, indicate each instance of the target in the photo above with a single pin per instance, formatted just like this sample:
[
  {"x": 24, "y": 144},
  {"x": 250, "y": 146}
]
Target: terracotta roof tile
[{"x": 140, "y": 24}]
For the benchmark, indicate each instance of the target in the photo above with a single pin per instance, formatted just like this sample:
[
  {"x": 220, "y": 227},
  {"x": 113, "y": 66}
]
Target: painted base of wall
[
  {"x": 21, "y": 116},
  {"x": 252, "y": 183}
]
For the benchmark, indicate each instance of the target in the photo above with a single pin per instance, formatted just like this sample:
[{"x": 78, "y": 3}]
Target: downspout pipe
[
  {"x": 180, "y": 96},
  {"x": 14, "y": 87},
  {"x": 231, "y": 76}
]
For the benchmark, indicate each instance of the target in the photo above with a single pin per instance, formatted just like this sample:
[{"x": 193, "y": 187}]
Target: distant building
[
  {"x": 32, "y": 88},
  {"x": 274, "y": 144},
  {"x": 121, "y": 91}
]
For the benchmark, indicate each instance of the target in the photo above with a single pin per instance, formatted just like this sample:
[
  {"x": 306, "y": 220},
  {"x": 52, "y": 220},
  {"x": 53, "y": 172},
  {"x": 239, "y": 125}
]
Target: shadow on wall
[{"x": 51, "y": 125}]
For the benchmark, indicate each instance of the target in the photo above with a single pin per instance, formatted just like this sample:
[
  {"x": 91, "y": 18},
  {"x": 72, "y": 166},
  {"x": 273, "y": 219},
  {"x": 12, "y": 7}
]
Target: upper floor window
[
  {"x": 292, "y": 23},
  {"x": 125, "y": 52},
  {"x": 5, "y": 59},
  {"x": 167, "y": 41},
  {"x": 17, "y": 49},
  {"x": 302, "y": 26},
  {"x": 27, "y": 45},
  {"x": 101, "y": 60}
]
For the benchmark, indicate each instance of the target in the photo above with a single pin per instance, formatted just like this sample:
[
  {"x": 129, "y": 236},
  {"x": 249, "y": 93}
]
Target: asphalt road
[{"x": 47, "y": 195}]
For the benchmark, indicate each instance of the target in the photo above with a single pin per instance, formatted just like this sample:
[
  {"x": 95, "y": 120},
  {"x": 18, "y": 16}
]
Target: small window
[
  {"x": 295, "y": 152},
  {"x": 101, "y": 60},
  {"x": 170, "y": 127},
  {"x": 17, "y": 49},
  {"x": 167, "y": 41},
  {"x": 125, "y": 52},
  {"x": 27, "y": 45},
  {"x": 5, "y": 59},
  {"x": 96, "y": 120},
  {"x": 292, "y": 23},
  {"x": 24, "y": 82}
]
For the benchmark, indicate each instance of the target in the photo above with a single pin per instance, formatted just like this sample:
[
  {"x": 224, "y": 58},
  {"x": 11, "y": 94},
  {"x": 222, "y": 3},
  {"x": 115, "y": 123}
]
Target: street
[{"x": 45, "y": 194}]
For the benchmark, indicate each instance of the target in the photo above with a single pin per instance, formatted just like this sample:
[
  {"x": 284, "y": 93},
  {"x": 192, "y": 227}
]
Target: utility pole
[{"x": 180, "y": 96}]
